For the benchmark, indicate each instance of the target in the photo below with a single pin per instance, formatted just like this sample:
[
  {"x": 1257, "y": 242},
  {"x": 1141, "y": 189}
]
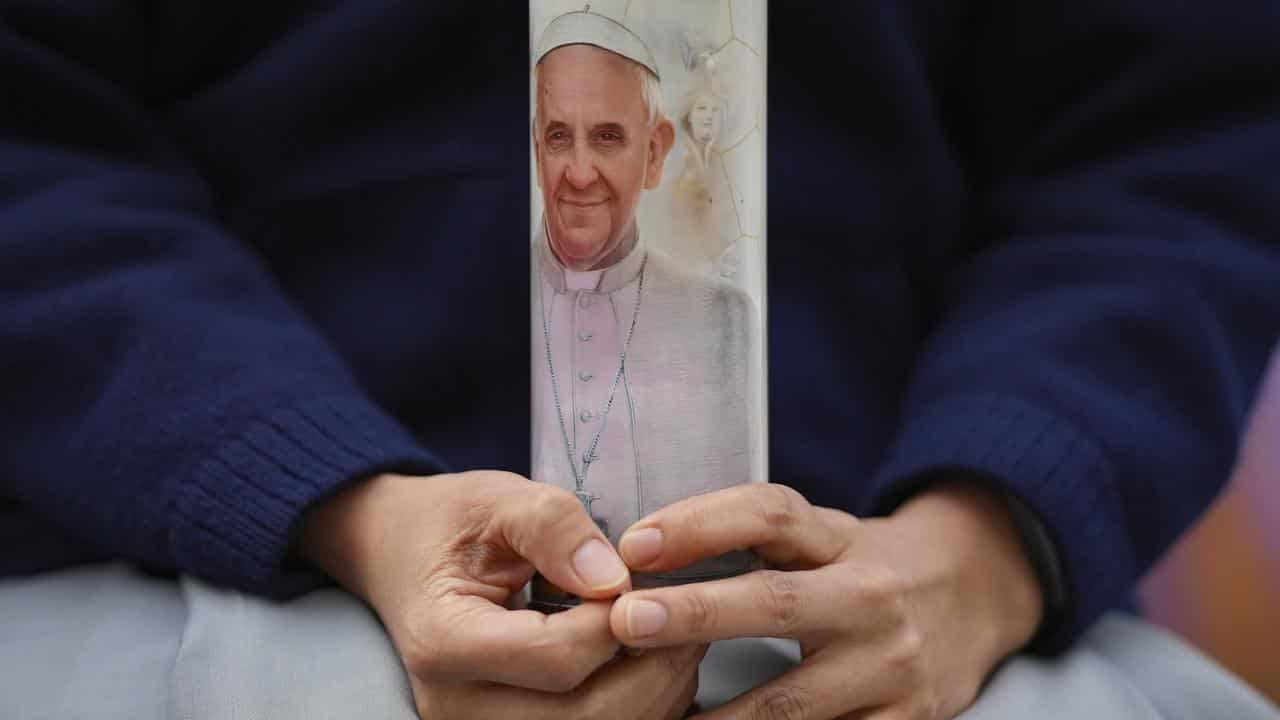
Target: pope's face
[{"x": 595, "y": 150}]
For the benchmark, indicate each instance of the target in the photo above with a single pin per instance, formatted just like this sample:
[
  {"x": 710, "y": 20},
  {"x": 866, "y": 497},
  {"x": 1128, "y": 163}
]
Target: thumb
[{"x": 550, "y": 528}]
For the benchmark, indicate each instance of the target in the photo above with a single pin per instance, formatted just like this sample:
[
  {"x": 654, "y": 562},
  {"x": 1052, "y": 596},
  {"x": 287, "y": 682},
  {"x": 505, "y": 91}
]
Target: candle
[{"x": 647, "y": 247}]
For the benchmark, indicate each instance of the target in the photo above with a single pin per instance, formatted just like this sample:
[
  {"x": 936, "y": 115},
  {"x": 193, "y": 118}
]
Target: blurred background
[{"x": 1220, "y": 586}]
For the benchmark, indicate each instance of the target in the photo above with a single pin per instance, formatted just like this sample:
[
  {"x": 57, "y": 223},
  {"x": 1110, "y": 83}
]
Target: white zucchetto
[{"x": 583, "y": 27}]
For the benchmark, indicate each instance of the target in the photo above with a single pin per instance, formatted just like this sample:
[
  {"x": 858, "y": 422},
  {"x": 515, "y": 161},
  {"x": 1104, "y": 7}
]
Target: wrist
[
  {"x": 973, "y": 546},
  {"x": 336, "y": 535}
]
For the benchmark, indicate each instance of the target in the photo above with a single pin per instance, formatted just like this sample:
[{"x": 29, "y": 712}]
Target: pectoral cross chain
[{"x": 587, "y": 499}]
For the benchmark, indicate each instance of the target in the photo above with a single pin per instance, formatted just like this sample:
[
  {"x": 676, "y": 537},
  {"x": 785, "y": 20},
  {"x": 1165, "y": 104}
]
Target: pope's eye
[{"x": 558, "y": 138}]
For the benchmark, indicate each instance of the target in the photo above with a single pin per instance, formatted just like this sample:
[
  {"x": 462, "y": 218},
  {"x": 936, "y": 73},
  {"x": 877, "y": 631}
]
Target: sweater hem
[{"x": 238, "y": 516}]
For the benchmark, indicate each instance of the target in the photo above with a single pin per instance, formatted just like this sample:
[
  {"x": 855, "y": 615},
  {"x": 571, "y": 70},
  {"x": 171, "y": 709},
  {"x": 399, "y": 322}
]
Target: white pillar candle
[{"x": 648, "y": 258}]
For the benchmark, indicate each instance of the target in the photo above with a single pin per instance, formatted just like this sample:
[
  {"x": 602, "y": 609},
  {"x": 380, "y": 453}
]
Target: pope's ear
[
  {"x": 537, "y": 156},
  {"x": 660, "y": 142}
]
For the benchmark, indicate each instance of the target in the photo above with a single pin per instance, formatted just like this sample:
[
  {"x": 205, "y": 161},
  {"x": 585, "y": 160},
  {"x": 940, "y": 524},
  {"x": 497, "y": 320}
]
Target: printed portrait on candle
[{"x": 640, "y": 364}]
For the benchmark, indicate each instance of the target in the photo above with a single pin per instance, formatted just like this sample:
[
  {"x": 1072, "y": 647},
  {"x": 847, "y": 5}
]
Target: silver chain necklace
[{"x": 580, "y": 476}]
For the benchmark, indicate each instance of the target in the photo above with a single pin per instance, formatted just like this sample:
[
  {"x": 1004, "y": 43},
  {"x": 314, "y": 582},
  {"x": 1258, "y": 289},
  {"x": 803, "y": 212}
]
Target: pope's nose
[{"x": 581, "y": 172}]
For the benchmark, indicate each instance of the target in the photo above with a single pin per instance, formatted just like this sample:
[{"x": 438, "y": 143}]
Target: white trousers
[{"x": 104, "y": 642}]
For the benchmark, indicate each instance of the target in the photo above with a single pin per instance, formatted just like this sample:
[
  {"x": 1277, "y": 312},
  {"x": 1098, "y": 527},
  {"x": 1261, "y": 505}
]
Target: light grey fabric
[
  {"x": 321, "y": 656},
  {"x": 106, "y": 642},
  {"x": 95, "y": 642}
]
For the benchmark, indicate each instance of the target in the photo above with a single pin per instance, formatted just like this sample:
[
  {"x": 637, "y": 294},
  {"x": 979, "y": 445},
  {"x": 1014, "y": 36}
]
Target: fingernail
[
  {"x": 641, "y": 547},
  {"x": 598, "y": 565},
  {"x": 645, "y": 617}
]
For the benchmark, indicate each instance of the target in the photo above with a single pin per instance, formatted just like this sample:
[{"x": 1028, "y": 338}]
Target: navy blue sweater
[{"x": 249, "y": 254}]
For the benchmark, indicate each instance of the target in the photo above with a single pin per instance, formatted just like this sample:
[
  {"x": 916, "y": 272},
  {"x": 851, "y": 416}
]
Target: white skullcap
[{"x": 583, "y": 27}]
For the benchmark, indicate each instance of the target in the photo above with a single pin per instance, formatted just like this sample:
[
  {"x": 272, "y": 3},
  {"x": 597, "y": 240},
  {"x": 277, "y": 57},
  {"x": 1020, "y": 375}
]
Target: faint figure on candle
[{"x": 695, "y": 190}]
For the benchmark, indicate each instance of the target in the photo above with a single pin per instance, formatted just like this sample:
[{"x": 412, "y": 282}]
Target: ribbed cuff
[
  {"x": 238, "y": 513},
  {"x": 1047, "y": 464}
]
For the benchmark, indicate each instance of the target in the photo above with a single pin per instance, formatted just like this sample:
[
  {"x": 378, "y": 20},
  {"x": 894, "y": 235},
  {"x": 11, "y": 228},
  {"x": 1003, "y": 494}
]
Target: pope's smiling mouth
[{"x": 579, "y": 205}]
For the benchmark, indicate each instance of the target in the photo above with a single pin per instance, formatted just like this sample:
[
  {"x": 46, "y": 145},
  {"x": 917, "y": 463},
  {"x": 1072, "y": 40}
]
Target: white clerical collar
[
  {"x": 604, "y": 280},
  {"x": 582, "y": 280}
]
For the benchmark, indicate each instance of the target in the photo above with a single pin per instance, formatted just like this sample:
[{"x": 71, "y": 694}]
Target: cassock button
[
  {"x": 585, "y": 416},
  {"x": 585, "y": 300},
  {"x": 585, "y": 336},
  {"x": 585, "y": 376}
]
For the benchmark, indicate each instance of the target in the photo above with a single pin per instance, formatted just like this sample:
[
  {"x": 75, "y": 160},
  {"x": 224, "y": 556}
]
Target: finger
[
  {"x": 626, "y": 689},
  {"x": 466, "y": 700},
  {"x": 774, "y": 520},
  {"x": 765, "y": 603},
  {"x": 549, "y": 527},
  {"x": 473, "y": 639},
  {"x": 649, "y": 686},
  {"x": 683, "y": 706},
  {"x": 820, "y": 689}
]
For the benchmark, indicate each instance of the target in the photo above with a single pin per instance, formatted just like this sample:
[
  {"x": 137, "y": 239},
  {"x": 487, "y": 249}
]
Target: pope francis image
[{"x": 640, "y": 367}]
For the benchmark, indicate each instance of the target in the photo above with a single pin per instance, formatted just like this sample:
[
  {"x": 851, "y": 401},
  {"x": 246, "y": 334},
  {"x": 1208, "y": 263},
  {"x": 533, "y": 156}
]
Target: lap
[
  {"x": 90, "y": 642},
  {"x": 1123, "y": 668},
  {"x": 106, "y": 642}
]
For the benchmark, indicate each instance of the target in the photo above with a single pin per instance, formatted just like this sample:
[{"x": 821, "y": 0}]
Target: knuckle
[
  {"x": 884, "y": 589},
  {"x": 502, "y": 476},
  {"x": 780, "y": 599},
  {"x": 679, "y": 664},
  {"x": 898, "y": 611},
  {"x": 780, "y": 506},
  {"x": 563, "y": 670},
  {"x": 906, "y": 656},
  {"x": 838, "y": 520},
  {"x": 700, "y": 613},
  {"x": 782, "y": 702},
  {"x": 549, "y": 511},
  {"x": 673, "y": 665},
  {"x": 554, "y": 503}
]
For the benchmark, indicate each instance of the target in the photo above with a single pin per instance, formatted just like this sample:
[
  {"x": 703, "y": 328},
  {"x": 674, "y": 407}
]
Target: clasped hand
[{"x": 901, "y": 617}]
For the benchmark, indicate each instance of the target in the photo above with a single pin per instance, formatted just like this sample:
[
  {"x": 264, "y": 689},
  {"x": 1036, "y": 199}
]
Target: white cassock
[{"x": 670, "y": 422}]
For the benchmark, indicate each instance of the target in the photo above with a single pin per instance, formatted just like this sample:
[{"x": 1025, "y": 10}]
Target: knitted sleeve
[
  {"x": 161, "y": 399},
  {"x": 1098, "y": 349}
]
